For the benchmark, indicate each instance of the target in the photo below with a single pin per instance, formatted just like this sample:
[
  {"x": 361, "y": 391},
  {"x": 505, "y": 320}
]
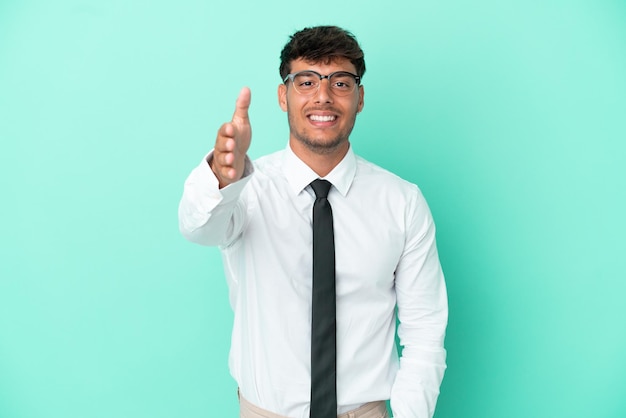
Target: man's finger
[
  {"x": 242, "y": 105},
  {"x": 227, "y": 130}
]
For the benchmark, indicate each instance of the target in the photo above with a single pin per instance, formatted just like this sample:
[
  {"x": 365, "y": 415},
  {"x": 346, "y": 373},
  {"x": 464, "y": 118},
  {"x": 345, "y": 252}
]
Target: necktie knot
[{"x": 321, "y": 187}]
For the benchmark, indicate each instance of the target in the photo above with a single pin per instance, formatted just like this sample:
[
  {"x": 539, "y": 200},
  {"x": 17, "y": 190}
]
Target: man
[{"x": 376, "y": 226}]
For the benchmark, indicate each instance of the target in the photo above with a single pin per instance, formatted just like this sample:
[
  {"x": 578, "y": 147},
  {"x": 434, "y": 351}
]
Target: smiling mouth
[{"x": 320, "y": 118}]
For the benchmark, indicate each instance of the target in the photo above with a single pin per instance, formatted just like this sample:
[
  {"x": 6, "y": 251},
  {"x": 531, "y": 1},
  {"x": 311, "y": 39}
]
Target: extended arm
[{"x": 210, "y": 212}]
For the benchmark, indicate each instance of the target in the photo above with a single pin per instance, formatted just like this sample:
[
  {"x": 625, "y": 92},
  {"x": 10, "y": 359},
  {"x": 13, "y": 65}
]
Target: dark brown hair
[{"x": 322, "y": 44}]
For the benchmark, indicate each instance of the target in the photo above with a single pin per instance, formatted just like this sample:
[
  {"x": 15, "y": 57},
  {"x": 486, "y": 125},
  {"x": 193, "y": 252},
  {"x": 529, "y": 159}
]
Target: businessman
[{"x": 323, "y": 252}]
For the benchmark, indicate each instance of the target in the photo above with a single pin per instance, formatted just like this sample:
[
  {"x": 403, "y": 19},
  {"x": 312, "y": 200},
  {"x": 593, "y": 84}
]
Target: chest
[{"x": 369, "y": 238}]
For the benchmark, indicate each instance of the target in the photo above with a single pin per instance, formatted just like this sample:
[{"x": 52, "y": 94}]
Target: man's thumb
[{"x": 242, "y": 105}]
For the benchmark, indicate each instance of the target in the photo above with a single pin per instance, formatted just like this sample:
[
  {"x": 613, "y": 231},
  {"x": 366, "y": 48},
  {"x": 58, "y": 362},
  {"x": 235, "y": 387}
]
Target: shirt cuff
[{"x": 232, "y": 191}]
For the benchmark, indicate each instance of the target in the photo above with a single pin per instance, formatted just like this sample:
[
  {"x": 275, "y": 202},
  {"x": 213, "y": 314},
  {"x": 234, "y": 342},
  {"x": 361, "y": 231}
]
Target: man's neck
[{"x": 320, "y": 162}]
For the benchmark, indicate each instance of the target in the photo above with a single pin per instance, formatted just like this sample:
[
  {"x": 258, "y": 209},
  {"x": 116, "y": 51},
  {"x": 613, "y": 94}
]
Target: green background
[{"x": 510, "y": 115}]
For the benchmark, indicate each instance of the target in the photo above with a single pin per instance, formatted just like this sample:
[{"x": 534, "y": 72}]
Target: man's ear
[
  {"x": 282, "y": 96},
  {"x": 361, "y": 101}
]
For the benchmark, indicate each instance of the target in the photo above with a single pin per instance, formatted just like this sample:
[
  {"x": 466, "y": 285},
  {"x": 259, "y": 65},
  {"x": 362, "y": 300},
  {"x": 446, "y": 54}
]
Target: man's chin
[{"x": 321, "y": 145}]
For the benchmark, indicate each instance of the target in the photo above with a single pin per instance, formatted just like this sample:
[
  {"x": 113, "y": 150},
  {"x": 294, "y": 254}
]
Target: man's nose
[{"x": 324, "y": 93}]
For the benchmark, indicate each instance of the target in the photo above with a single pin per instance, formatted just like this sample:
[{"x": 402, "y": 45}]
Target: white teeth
[{"x": 319, "y": 118}]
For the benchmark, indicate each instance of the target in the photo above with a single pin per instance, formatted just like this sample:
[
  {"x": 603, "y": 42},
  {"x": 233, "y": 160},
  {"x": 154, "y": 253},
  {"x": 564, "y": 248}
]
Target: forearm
[
  {"x": 209, "y": 215},
  {"x": 416, "y": 387}
]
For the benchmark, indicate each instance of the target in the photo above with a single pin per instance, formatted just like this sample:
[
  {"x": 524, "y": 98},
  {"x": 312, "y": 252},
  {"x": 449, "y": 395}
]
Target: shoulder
[
  {"x": 382, "y": 180},
  {"x": 388, "y": 190},
  {"x": 386, "y": 193}
]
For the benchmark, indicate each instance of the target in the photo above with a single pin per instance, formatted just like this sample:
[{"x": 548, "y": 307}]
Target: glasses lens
[
  {"x": 342, "y": 83},
  {"x": 306, "y": 82}
]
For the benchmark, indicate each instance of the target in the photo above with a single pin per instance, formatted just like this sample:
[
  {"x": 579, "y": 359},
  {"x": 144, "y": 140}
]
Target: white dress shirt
[{"x": 386, "y": 256}]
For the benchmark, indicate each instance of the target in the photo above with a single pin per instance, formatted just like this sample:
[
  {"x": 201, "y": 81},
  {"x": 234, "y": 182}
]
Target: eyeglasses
[{"x": 308, "y": 82}]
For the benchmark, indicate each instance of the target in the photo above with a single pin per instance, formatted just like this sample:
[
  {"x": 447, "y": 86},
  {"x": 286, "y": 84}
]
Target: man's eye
[
  {"x": 342, "y": 84},
  {"x": 306, "y": 81}
]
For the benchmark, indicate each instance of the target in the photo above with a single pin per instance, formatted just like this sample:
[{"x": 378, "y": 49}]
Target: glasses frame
[{"x": 291, "y": 77}]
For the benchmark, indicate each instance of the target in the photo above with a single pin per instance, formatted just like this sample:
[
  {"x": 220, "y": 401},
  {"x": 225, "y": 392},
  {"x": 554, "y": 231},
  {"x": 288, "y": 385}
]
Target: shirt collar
[{"x": 299, "y": 175}]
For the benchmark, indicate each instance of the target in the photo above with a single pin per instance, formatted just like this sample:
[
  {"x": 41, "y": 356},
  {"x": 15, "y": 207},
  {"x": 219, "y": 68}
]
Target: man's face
[{"x": 322, "y": 121}]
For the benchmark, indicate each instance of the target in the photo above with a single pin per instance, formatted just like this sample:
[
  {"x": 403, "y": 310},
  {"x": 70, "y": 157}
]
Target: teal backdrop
[{"x": 510, "y": 115}]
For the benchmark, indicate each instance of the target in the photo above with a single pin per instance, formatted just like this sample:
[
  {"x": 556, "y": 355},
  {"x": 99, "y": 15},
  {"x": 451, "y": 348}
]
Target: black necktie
[{"x": 323, "y": 323}]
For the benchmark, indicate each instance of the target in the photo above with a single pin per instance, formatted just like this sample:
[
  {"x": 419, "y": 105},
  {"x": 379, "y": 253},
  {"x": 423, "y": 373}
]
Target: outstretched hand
[{"x": 232, "y": 143}]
